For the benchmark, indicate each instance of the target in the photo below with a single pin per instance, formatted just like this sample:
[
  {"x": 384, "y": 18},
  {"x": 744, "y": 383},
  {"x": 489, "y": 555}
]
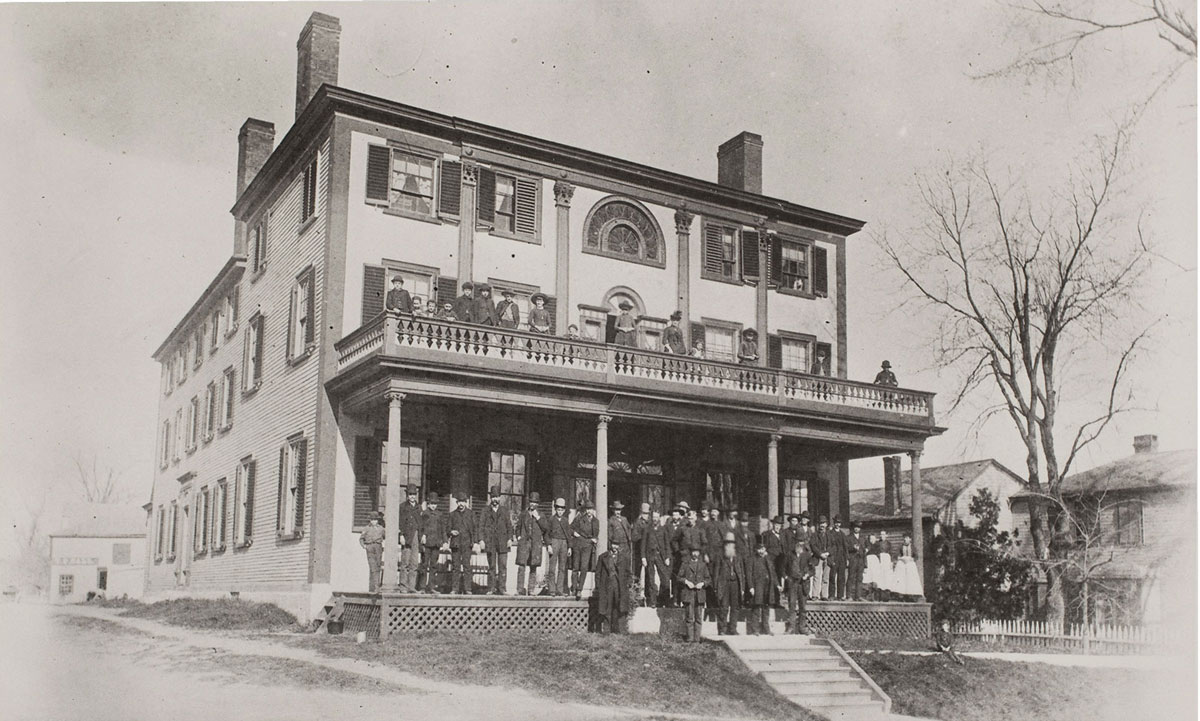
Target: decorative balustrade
[{"x": 391, "y": 334}]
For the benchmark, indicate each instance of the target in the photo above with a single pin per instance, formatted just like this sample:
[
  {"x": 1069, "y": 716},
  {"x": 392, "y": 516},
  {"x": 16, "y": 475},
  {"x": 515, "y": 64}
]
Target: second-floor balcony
[{"x": 432, "y": 344}]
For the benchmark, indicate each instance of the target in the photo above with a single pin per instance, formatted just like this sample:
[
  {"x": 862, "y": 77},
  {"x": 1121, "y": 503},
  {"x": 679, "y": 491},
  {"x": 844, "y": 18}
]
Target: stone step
[
  {"x": 808, "y": 675},
  {"x": 787, "y": 654},
  {"x": 797, "y": 686},
  {"x": 791, "y": 664},
  {"x": 862, "y": 712},
  {"x": 779, "y": 640},
  {"x": 825, "y": 700}
]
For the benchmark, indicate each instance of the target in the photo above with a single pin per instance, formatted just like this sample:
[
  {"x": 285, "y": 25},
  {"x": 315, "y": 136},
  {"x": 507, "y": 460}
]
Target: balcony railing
[{"x": 391, "y": 334}]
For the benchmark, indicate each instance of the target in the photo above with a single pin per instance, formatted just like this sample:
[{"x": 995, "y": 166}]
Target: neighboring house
[
  {"x": 946, "y": 499},
  {"x": 290, "y": 400},
  {"x": 1138, "y": 517},
  {"x": 100, "y": 550}
]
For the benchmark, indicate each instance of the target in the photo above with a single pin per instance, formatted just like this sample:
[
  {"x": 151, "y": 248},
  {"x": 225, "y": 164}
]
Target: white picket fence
[{"x": 1090, "y": 639}]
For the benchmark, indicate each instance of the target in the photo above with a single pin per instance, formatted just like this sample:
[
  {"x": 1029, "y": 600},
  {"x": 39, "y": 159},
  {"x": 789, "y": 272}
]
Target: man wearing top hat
[
  {"x": 746, "y": 538},
  {"x": 398, "y": 298},
  {"x": 585, "y": 534},
  {"x": 761, "y": 585},
  {"x": 885, "y": 376},
  {"x": 838, "y": 560},
  {"x": 410, "y": 539},
  {"x": 748, "y": 348},
  {"x": 530, "y": 541},
  {"x": 626, "y": 326},
  {"x": 657, "y": 547},
  {"x": 672, "y": 338},
  {"x": 484, "y": 309},
  {"x": 856, "y": 561},
  {"x": 613, "y": 579},
  {"x": 463, "y": 537},
  {"x": 371, "y": 539},
  {"x": 557, "y": 533},
  {"x": 638, "y": 530},
  {"x": 495, "y": 535},
  {"x": 539, "y": 317},
  {"x": 435, "y": 535},
  {"x": 729, "y": 580},
  {"x": 508, "y": 315},
  {"x": 772, "y": 541},
  {"x": 464, "y": 305}
]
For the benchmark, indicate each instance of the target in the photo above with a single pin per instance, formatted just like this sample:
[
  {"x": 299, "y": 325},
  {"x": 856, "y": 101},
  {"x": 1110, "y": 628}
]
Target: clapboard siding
[{"x": 285, "y": 404}]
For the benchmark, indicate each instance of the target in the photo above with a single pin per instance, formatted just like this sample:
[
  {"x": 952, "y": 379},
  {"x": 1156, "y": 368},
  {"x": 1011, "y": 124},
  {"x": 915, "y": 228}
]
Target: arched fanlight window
[{"x": 625, "y": 229}]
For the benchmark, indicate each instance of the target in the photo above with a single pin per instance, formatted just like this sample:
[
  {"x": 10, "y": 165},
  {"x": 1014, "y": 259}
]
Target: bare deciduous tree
[
  {"x": 96, "y": 486},
  {"x": 1024, "y": 291},
  {"x": 33, "y": 543}
]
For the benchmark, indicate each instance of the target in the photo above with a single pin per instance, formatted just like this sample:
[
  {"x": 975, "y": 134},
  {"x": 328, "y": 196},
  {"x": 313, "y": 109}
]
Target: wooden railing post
[{"x": 391, "y": 330}]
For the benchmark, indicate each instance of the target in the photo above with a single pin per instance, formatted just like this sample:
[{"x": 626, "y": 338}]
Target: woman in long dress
[
  {"x": 872, "y": 570},
  {"x": 883, "y": 574},
  {"x": 906, "y": 579}
]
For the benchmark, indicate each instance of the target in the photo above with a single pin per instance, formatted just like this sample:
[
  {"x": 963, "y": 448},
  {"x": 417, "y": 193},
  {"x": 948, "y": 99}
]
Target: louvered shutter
[
  {"x": 258, "y": 351},
  {"x": 311, "y": 309},
  {"x": 250, "y": 473},
  {"x": 447, "y": 290},
  {"x": 774, "y": 351},
  {"x": 697, "y": 333},
  {"x": 450, "y": 188},
  {"x": 820, "y": 271},
  {"x": 749, "y": 255},
  {"x": 379, "y": 157},
  {"x": 374, "y": 291},
  {"x": 552, "y": 309},
  {"x": 292, "y": 300},
  {"x": 279, "y": 505},
  {"x": 366, "y": 478},
  {"x": 485, "y": 198},
  {"x": 526, "y": 206},
  {"x": 237, "y": 299},
  {"x": 713, "y": 250},
  {"x": 775, "y": 267},
  {"x": 301, "y": 478}
]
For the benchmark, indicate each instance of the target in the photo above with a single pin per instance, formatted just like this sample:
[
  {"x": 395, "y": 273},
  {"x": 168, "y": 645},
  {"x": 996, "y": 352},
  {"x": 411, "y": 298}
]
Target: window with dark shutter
[
  {"x": 450, "y": 185},
  {"x": 366, "y": 478},
  {"x": 249, "y": 518},
  {"x": 485, "y": 198},
  {"x": 774, "y": 351},
  {"x": 750, "y": 255},
  {"x": 281, "y": 499},
  {"x": 301, "y": 462},
  {"x": 697, "y": 332},
  {"x": 820, "y": 271},
  {"x": 379, "y": 157},
  {"x": 712, "y": 250},
  {"x": 775, "y": 263},
  {"x": 552, "y": 309},
  {"x": 308, "y": 201},
  {"x": 374, "y": 291},
  {"x": 447, "y": 290},
  {"x": 526, "y": 207}
]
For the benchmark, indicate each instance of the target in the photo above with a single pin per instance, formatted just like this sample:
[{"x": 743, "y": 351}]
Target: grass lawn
[
  {"x": 990, "y": 690},
  {"x": 218, "y": 614},
  {"x": 640, "y": 672}
]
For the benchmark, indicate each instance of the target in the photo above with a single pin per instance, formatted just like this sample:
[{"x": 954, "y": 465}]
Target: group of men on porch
[{"x": 691, "y": 558}]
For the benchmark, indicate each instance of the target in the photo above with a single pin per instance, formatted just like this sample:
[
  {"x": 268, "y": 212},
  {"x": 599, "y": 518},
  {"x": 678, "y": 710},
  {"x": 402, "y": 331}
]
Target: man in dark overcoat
[
  {"x": 619, "y": 529},
  {"x": 435, "y": 534},
  {"x": 799, "y": 572},
  {"x": 464, "y": 305},
  {"x": 585, "y": 533},
  {"x": 484, "y": 310},
  {"x": 495, "y": 534},
  {"x": 530, "y": 541},
  {"x": 819, "y": 542},
  {"x": 774, "y": 545},
  {"x": 856, "y": 559},
  {"x": 410, "y": 539},
  {"x": 657, "y": 549},
  {"x": 613, "y": 579},
  {"x": 692, "y": 578},
  {"x": 838, "y": 560},
  {"x": 760, "y": 580},
  {"x": 730, "y": 582},
  {"x": 398, "y": 298},
  {"x": 463, "y": 537}
]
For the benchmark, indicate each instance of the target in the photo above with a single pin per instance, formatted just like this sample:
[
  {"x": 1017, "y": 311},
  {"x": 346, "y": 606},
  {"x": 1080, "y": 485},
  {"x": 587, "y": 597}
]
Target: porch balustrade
[{"x": 391, "y": 335}]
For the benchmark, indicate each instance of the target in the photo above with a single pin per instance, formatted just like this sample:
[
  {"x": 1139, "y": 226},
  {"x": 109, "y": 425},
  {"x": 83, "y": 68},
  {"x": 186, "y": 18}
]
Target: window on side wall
[
  {"x": 220, "y": 509},
  {"x": 243, "y": 503},
  {"x": 795, "y": 267},
  {"x": 66, "y": 584},
  {"x": 1127, "y": 523},
  {"x": 516, "y": 207},
  {"x": 257, "y": 247},
  {"x": 231, "y": 311},
  {"x": 301, "y": 325},
  {"x": 212, "y": 404},
  {"x": 720, "y": 252},
  {"x": 308, "y": 198},
  {"x": 214, "y": 327},
  {"x": 227, "y": 387},
  {"x": 177, "y": 436},
  {"x": 293, "y": 468},
  {"x": 252, "y": 357},
  {"x": 721, "y": 340}
]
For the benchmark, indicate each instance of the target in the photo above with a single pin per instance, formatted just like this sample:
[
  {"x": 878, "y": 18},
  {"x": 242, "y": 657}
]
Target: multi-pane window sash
[
  {"x": 219, "y": 509},
  {"x": 258, "y": 247},
  {"x": 253, "y": 354},
  {"x": 293, "y": 468},
  {"x": 411, "y": 184},
  {"x": 199, "y": 346},
  {"x": 720, "y": 343},
  {"x": 795, "y": 270},
  {"x": 212, "y": 405},
  {"x": 243, "y": 503},
  {"x": 506, "y": 469},
  {"x": 227, "y": 386},
  {"x": 795, "y": 355},
  {"x": 720, "y": 252},
  {"x": 214, "y": 336},
  {"x": 301, "y": 327},
  {"x": 516, "y": 207}
]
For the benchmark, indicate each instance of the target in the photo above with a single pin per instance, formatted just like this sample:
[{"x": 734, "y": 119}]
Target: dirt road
[{"x": 65, "y": 666}]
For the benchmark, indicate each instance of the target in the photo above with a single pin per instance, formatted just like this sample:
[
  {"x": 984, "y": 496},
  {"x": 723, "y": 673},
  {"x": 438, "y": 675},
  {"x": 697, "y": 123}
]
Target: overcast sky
[{"x": 122, "y": 135}]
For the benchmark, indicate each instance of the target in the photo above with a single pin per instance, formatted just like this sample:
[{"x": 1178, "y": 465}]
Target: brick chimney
[
  {"x": 891, "y": 485},
  {"x": 1145, "y": 444},
  {"x": 739, "y": 162},
  {"x": 316, "y": 57},
  {"x": 256, "y": 140}
]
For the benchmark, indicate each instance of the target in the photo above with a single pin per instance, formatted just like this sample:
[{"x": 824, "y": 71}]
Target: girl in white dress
[
  {"x": 906, "y": 579},
  {"x": 872, "y": 569},
  {"x": 883, "y": 573}
]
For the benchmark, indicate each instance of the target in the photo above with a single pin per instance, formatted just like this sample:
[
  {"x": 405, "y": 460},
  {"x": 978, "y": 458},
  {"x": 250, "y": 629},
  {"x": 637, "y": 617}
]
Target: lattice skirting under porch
[
  {"x": 910, "y": 620},
  {"x": 476, "y": 614}
]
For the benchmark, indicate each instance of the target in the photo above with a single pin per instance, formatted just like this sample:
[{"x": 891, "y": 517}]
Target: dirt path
[{"x": 88, "y": 663}]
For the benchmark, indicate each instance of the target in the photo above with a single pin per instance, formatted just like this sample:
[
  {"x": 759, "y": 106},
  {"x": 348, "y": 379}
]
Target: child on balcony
[{"x": 539, "y": 317}]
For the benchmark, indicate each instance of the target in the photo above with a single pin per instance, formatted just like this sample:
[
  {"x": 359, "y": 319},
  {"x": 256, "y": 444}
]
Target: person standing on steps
[{"x": 692, "y": 578}]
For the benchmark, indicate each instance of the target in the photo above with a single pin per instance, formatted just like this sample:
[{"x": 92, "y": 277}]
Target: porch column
[
  {"x": 918, "y": 531},
  {"x": 466, "y": 221},
  {"x": 391, "y": 510},
  {"x": 773, "y": 476},
  {"x": 761, "y": 297},
  {"x": 562, "y": 237},
  {"x": 602, "y": 481},
  {"x": 683, "y": 229}
]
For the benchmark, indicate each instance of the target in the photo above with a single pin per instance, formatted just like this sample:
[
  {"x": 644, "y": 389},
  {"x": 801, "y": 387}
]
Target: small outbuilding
[{"x": 100, "y": 550}]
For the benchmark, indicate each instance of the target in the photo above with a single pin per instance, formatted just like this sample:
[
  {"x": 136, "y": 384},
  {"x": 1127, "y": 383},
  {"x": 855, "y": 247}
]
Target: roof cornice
[
  {"x": 232, "y": 269},
  {"x": 330, "y": 100}
]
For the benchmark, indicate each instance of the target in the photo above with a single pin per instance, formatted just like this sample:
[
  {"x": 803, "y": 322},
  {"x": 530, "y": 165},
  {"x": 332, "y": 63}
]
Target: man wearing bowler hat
[
  {"x": 885, "y": 376},
  {"x": 619, "y": 528},
  {"x": 398, "y": 298},
  {"x": 371, "y": 539},
  {"x": 557, "y": 532},
  {"x": 463, "y": 537},
  {"x": 435, "y": 536},
  {"x": 495, "y": 535},
  {"x": 530, "y": 541},
  {"x": 464, "y": 305},
  {"x": 410, "y": 539},
  {"x": 508, "y": 315},
  {"x": 585, "y": 533}
]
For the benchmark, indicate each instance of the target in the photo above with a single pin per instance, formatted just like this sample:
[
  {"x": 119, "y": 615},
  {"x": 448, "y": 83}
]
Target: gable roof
[
  {"x": 1142, "y": 471},
  {"x": 102, "y": 520},
  {"x": 940, "y": 485}
]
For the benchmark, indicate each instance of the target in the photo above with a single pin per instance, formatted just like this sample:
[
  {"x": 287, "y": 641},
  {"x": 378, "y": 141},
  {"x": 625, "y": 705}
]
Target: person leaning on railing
[
  {"x": 398, "y": 298},
  {"x": 672, "y": 338},
  {"x": 748, "y": 349},
  {"x": 539, "y": 317},
  {"x": 626, "y": 326}
]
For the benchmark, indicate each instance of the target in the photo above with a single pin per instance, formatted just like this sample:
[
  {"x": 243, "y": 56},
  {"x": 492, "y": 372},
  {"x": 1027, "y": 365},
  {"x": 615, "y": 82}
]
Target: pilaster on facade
[
  {"x": 918, "y": 536},
  {"x": 683, "y": 230},
  {"x": 466, "y": 227},
  {"x": 762, "y": 294},
  {"x": 773, "y": 475},
  {"x": 563, "y": 192},
  {"x": 602, "y": 480},
  {"x": 395, "y": 457}
]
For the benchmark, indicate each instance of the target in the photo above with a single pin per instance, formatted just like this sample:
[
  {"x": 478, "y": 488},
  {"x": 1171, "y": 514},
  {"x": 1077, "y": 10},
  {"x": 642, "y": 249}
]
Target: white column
[
  {"x": 391, "y": 511},
  {"x": 683, "y": 229},
  {"x": 602, "y": 481},
  {"x": 918, "y": 530},
  {"x": 773, "y": 476}
]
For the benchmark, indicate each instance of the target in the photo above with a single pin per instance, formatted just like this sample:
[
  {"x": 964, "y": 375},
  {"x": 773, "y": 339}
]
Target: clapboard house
[{"x": 292, "y": 405}]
